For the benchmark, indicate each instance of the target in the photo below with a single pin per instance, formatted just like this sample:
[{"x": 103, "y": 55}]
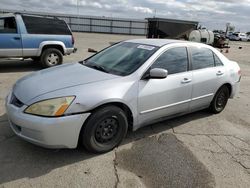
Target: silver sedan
[{"x": 128, "y": 85}]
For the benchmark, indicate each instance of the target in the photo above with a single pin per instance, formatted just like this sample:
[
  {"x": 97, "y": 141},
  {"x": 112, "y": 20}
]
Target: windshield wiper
[{"x": 97, "y": 67}]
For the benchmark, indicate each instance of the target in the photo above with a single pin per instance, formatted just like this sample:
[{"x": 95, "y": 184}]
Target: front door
[
  {"x": 10, "y": 39},
  {"x": 164, "y": 97}
]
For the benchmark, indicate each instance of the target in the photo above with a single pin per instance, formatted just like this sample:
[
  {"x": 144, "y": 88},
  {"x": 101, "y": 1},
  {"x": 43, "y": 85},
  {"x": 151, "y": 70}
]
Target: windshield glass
[{"x": 121, "y": 59}]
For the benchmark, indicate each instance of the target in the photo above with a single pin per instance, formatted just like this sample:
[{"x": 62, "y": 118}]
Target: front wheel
[
  {"x": 220, "y": 100},
  {"x": 51, "y": 57},
  {"x": 105, "y": 129}
]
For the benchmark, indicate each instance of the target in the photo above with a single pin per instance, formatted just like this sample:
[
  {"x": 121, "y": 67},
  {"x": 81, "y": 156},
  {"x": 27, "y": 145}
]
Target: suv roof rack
[{"x": 33, "y": 14}]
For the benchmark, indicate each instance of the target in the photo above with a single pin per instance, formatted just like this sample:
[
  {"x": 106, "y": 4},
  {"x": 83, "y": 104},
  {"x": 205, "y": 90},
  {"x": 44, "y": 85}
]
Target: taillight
[{"x": 72, "y": 39}]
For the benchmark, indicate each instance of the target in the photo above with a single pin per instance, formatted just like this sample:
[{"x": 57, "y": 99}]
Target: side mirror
[{"x": 158, "y": 73}]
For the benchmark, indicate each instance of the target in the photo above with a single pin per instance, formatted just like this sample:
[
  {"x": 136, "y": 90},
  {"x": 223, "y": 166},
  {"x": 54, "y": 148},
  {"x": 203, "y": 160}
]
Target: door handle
[
  {"x": 186, "y": 80},
  {"x": 16, "y": 38},
  {"x": 219, "y": 73}
]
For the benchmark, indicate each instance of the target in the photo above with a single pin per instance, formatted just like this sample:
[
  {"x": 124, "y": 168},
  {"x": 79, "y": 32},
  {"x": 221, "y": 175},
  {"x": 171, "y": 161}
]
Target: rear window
[{"x": 40, "y": 25}]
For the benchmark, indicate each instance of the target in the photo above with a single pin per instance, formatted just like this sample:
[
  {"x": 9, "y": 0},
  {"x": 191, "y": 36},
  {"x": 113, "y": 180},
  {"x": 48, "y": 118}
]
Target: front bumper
[{"x": 59, "y": 132}]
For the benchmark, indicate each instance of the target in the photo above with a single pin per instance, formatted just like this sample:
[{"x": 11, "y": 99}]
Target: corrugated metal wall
[{"x": 98, "y": 24}]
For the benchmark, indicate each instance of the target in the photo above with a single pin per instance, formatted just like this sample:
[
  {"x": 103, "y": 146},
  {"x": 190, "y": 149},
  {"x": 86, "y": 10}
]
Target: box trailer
[{"x": 170, "y": 28}]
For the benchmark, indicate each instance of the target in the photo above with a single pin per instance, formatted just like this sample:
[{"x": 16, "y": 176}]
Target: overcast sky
[{"x": 213, "y": 14}]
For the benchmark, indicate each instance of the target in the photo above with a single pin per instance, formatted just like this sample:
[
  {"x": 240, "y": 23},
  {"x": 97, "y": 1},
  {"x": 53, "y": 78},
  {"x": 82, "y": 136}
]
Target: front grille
[{"x": 16, "y": 102}]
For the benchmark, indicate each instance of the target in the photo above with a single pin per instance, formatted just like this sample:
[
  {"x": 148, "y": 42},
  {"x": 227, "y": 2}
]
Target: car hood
[{"x": 56, "y": 78}]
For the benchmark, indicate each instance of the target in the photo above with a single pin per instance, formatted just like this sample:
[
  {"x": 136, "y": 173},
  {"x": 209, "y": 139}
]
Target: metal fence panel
[
  {"x": 121, "y": 24},
  {"x": 99, "y": 29},
  {"x": 138, "y": 32},
  {"x": 101, "y": 22},
  {"x": 121, "y": 30},
  {"x": 97, "y": 24},
  {"x": 138, "y": 25}
]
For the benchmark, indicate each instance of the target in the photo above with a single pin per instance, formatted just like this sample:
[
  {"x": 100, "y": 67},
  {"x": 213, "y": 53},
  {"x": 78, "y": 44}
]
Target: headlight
[{"x": 50, "y": 107}]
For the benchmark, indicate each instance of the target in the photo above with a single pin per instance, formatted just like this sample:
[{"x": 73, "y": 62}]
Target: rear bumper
[
  {"x": 70, "y": 50},
  {"x": 59, "y": 132},
  {"x": 235, "y": 89}
]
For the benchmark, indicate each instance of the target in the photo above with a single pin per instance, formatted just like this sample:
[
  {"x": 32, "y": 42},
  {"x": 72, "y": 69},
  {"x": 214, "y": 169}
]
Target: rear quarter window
[
  {"x": 49, "y": 26},
  {"x": 217, "y": 61}
]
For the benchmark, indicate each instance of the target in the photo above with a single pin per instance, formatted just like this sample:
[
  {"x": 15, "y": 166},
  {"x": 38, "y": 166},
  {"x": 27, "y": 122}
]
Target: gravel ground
[{"x": 195, "y": 150}]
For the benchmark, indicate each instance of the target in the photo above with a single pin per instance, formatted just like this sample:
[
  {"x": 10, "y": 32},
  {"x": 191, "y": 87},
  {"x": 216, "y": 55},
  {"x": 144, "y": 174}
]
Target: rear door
[
  {"x": 171, "y": 95},
  {"x": 208, "y": 75},
  {"x": 10, "y": 38}
]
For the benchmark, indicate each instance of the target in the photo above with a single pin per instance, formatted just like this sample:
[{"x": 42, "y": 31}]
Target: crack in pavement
[
  {"x": 234, "y": 159},
  {"x": 115, "y": 169},
  {"x": 209, "y": 134},
  {"x": 241, "y": 149},
  {"x": 223, "y": 149}
]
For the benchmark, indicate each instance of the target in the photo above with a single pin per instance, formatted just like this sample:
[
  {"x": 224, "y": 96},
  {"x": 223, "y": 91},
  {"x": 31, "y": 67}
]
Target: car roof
[
  {"x": 155, "y": 42},
  {"x": 6, "y": 15}
]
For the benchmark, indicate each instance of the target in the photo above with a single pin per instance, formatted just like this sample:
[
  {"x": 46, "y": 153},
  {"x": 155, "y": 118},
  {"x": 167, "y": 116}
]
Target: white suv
[{"x": 243, "y": 36}]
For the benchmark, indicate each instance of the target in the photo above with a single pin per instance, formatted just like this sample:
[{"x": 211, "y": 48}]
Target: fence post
[
  {"x": 130, "y": 27},
  {"x": 70, "y": 25},
  {"x": 90, "y": 25},
  {"x": 111, "y": 26}
]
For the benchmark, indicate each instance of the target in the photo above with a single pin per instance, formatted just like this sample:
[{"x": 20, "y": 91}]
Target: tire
[
  {"x": 51, "y": 57},
  {"x": 105, "y": 129},
  {"x": 220, "y": 100}
]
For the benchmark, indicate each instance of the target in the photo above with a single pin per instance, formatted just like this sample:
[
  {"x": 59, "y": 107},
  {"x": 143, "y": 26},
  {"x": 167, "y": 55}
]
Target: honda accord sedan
[{"x": 128, "y": 85}]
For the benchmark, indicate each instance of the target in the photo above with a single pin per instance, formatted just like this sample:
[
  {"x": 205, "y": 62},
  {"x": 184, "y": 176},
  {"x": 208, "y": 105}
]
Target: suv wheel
[
  {"x": 105, "y": 129},
  {"x": 220, "y": 100},
  {"x": 51, "y": 57}
]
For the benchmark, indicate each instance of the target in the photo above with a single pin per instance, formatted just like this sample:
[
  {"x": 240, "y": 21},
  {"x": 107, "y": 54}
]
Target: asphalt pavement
[{"x": 195, "y": 150}]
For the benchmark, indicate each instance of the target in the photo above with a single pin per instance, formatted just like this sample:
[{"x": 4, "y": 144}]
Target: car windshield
[{"x": 121, "y": 59}]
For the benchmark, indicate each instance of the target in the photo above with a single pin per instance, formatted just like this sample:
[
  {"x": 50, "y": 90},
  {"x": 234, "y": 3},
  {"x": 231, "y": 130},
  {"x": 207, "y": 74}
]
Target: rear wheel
[
  {"x": 105, "y": 129},
  {"x": 51, "y": 57},
  {"x": 220, "y": 100}
]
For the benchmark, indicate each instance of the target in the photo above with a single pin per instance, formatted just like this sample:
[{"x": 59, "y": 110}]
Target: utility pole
[
  {"x": 227, "y": 27},
  {"x": 154, "y": 13}
]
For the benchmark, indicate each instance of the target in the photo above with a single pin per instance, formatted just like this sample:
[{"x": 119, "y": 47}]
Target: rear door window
[
  {"x": 42, "y": 25},
  {"x": 8, "y": 25},
  {"x": 174, "y": 60},
  {"x": 201, "y": 58}
]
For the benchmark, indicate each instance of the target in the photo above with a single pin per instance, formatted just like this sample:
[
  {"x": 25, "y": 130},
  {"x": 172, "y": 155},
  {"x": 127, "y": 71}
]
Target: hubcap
[
  {"x": 53, "y": 59},
  {"x": 221, "y": 100},
  {"x": 106, "y": 130}
]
